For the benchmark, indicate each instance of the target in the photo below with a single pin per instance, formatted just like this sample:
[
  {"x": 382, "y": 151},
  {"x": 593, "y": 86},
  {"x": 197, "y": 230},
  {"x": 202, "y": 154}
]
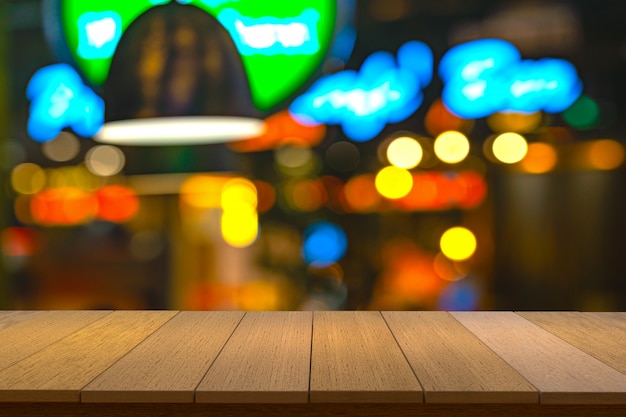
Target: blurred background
[{"x": 432, "y": 212}]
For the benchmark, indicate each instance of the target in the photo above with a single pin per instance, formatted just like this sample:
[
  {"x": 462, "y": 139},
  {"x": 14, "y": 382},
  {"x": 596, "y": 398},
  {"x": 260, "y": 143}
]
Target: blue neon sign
[
  {"x": 363, "y": 103},
  {"x": 271, "y": 35},
  {"x": 59, "y": 99},
  {"x": 487, "y": 76}
]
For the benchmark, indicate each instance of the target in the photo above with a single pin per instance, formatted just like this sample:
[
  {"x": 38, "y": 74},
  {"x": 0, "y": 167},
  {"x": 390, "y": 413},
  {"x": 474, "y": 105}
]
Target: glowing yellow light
[
  {"x": 203, "y": 191},
  {"x": 458, "y": 243},
  {"x": 606, "y": 154},
  {"x": 452, "y": 147},
  {"x": 393, "y": 182},
  {"x": 239, "y": 194},
  {"x": 240, "y": 228},
  {"x": 510, "y": 148},
  {"x": 28, "y": 178},
  {"x": 540, "y": 158},
  {"x": 405, "y": 153}
]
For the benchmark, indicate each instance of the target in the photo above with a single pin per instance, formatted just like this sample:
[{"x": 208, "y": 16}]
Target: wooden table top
[{"x": 408, "y": 363}]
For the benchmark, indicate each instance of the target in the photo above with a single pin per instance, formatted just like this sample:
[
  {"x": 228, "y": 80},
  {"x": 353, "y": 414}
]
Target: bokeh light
[
  {"x": 240, "y": 222},
  {"x": 361, "y": 194},
  {"x": 295, "y": 160},
  {"x": 266, "y": 196},
  {"x": 343, "y": 156},
  {"x": 606, "y": 154},
  {"x": 540, "y": 158},
  {"x": 514, "y": 122},
  {"x": 583, "y": 114},
  {"x": 308, "y": 195},
  {"x": 63, "y": 148},
  {"x": 445, "y": 268},
  {"x": 439, "y": 119},
  {"x": 117, "y": 203},
  {"x": 63, "y": 206},
  {"x": 452, "y": 147},
  {"x": 324, "y": 244},
  {"x": 393, "y": 182},
  {"x": 510, "y": 148},
  {"x": 28, "y": 178},
  {"x": 458, "y": 243},
  {"x": 105, "y": 160},
  {"x": 404, "y": 152},
  {"x": 459, "y": 296},
  {"x": 203, "y": 191}
]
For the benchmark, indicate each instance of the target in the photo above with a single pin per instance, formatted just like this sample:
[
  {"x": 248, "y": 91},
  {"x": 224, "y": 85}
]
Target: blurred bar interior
[{"x": 313, "y": 154}]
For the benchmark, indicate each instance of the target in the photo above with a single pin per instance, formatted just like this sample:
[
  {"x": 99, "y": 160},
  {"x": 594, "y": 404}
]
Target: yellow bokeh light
[
  {"x": 405, "y": 152},
  {"x": 452, "y": 147},
  {"x": 393, "y": 182},
  {"x": 28, "y": 178},
  {"x": 203, "y": 191},
  {"x": 540, "y": 158},
  {"x": 240, "y": 228},
  {"x": 458, "y": 243},
  {"x": 239, "y": 194},
  {"x": 606, "y": 154},
  {"x": 514, "y": 122},
  {"x": 510, "y": 148}
]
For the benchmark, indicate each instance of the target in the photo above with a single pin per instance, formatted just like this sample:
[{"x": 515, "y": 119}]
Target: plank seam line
[
  {"x": 195, "y": 390},
  {"x": 573, "y": 345},
  {"x": 125, "y": 354},
  {"x": 501, "y": 358},
  {"x": 311, "y": 356},
  {"x": 405, "y": 357},
  {"x": 54, "y": 343}
]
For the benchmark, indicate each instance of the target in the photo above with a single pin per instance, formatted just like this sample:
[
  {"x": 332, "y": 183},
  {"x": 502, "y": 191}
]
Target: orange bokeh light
[
  {"x": 117, "y": 203},
  {"x": 282, "y": 129},
  {"x": 266, "y": 196},
  {"x": 361, "y": 194},
  {"x": 439, "y": 119},
  {"x": 63, "y": 206}
]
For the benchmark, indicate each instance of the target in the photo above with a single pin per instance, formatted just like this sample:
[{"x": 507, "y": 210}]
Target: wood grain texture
[
  {"x": 9, "y": 318},
  {"x": 452, "y": 365},
  {"x": 167, "y": 366},
  {"x": 266, "y": 360},
  {"x": 58, "y": 372},
  {"x": 562, "y": 373},
  {"x": 30, "y": 336},
  {"x": 356, "y": 359},
  {"x": 587, "y": 332},
  {"x": 309, "y": 410},
  {"x": 615, "y": 319}
]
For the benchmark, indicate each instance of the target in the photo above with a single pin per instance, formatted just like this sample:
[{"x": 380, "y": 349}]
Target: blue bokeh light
[
  {"x": 487, "y": 76},
  {"x": 324, "y": 244},
  {"x": 98, "y": 34},
  {"x": 364, "y": 102},
  {"x": 59, "y": 99},
  {"x": 459, "y": 296}
]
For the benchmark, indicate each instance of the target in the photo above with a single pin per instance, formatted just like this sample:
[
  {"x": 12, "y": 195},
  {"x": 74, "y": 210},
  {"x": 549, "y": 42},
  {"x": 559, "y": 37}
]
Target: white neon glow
[
  {"x": 273, "y": 36},
  {"x": 360, "y": 102},
  {"x": 180, "y": 130},
  {"x": 101, "y": 32}
]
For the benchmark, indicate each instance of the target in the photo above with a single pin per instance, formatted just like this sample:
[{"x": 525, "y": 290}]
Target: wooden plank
[
  {"x": 266, "y": 360},
  {"x": 308, "y": 410},
  {"x": 9, "y": 318},
  {"x": 356, "y": 359},
  {"x": 58, "y": 372},
  {"x": 562, "y": 373},
  {"x": 452, "y": 365},
  {"x": 168, "y": 366},
  {"x": 589, "y": 333},
  {"x": 615, "y": 319},
  {"x": 30, "y": 336}
]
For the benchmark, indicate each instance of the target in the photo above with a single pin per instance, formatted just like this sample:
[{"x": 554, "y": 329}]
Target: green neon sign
[{"x": 282, "y": 43}]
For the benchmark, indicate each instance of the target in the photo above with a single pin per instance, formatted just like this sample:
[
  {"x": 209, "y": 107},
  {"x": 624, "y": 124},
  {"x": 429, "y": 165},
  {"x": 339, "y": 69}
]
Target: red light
[{"x": 117, "y": 203}]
